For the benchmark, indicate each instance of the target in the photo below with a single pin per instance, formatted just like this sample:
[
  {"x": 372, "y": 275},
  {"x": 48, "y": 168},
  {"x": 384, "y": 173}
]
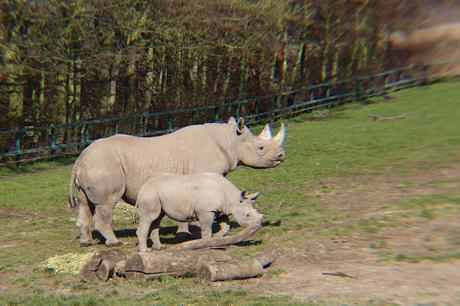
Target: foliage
[{"x": 61, "y": 61}]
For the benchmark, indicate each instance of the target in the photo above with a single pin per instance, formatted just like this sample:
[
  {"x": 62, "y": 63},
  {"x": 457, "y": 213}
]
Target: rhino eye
[{"x": 260, "y": 148}]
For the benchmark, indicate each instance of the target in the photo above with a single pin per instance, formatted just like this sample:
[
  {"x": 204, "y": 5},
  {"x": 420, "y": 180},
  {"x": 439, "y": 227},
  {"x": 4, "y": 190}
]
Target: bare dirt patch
[
  {"x": 411, "y": 259},
  {"x": 21, "y": 213}
]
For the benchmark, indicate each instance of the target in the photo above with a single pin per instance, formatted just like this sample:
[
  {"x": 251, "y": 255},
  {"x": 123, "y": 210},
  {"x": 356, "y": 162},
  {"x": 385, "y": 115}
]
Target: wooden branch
[{"x": 215, "y": 242}]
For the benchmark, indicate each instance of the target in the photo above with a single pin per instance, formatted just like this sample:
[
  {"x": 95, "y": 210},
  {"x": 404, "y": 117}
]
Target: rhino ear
[
  {"x": 241, "y": 123},
  {"x": 243, "y": 195},
  {"x": 266, "y": 133},
  {"x": 231, "y": 120},
  {"x": 253, "y": 196}
]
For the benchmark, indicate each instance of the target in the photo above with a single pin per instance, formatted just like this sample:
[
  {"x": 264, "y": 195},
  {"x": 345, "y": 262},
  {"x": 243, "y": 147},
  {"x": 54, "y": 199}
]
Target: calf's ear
[
  {"x": 243, "y": 194},
  {"x": 253, "y": 196}
]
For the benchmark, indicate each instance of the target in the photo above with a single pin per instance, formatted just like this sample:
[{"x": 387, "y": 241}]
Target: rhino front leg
[
  {"x": 85, "y": 219},
  {"x": 206, "y": 221},
  {"x": 182, "y": 229},
  {"x": 224, "y": 227},
  {"x": 103, "y": 223}
]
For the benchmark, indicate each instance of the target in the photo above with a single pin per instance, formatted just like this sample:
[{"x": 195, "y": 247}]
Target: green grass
[{"x": 37, "y": 223}]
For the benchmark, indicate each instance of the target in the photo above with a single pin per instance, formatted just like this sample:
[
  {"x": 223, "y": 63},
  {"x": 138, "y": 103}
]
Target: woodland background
[{"x": 64, "y": 61}]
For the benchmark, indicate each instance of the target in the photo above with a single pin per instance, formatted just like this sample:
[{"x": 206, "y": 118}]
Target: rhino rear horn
[
  {"x": 266, "y": 133},
  {"x": 279, "y": 138}
]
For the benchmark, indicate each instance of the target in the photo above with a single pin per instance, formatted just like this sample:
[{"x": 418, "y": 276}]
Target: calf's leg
[
  {"x": 150, "y": 214},
  {"x": 155, "y": 234},
  {"x": 206, "y": 219}
]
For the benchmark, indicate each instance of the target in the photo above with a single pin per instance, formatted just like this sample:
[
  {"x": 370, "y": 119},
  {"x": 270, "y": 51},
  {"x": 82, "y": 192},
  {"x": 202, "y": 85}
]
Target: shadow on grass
[{"x": 181, "y": 237}]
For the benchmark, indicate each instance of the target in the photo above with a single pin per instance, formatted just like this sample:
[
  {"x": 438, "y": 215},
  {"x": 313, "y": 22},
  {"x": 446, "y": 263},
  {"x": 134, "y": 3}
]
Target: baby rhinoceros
[{"x": 189, "y": 198}]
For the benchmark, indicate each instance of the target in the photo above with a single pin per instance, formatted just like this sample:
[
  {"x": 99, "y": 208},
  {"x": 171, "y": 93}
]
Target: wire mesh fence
[{"x": 27, "y": 144}]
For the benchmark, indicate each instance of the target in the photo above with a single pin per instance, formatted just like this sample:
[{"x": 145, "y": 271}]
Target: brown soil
[{"x": 366, "y": 277}]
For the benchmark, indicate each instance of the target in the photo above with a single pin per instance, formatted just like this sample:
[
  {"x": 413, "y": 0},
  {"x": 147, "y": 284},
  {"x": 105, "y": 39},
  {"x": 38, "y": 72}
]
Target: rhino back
[{"x": 209, "y": 191}]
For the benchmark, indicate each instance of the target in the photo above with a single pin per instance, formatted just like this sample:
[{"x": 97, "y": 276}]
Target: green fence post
[
  {"x": 193, "y": 116},
  {"x": 144, "y": 125},
  {"x": 257, "y": 109},
  {"x": 17, "y": 145},
  {"x": 53, "y": 142},
  {"x": 216, "y": 113},
  {"x": 358, "y": 95},
  {"x": 170, "y": 122},
  {"x": 117, "y": 126},
  {"x": 85, "y": 135},
  {"x": 237, "y": 110},
  {"x": 275, "y": 106},
  {"x": 328, "y": 96}
]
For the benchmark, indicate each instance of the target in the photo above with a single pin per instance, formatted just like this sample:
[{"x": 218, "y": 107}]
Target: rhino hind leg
[
  {"x": 150, "y": 218},
  {"x": 103, "y": 223},
  {"x": 85, "y": 219},
  {"x": 155, "y": 234}
]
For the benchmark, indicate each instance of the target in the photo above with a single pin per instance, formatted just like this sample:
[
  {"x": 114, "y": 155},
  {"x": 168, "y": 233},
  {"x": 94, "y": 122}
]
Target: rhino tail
[{"x": 73, "y": 181}]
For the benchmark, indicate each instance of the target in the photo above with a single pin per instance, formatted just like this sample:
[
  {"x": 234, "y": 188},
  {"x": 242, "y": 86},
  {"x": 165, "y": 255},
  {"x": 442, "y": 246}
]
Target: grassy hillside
[{"x": 332, "y": 159}]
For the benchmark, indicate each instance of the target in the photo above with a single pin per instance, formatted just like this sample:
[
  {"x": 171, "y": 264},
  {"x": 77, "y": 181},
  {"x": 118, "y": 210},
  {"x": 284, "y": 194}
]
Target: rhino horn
[
  {"x": 279, "y": 138},
  {"x": 266, "y": 133}
]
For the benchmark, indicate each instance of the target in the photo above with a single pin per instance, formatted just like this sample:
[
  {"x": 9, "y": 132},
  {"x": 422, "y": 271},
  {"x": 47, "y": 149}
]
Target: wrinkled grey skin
[
  {"x": 117, "y": 167},
  {"x": 195, "y": 197}
]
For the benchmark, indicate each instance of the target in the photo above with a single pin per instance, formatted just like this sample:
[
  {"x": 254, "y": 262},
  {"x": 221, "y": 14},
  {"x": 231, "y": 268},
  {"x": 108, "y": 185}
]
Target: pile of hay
[
  {"x": 69, "y": 263},
  {"x": 125, "y": 213}
]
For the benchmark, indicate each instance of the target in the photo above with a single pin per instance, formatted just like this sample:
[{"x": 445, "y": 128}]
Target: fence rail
[{"x": 26, "y": 144}]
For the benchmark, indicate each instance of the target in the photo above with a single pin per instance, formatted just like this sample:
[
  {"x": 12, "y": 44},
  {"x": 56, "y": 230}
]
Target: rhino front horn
[{"x": 279, "y": 138}]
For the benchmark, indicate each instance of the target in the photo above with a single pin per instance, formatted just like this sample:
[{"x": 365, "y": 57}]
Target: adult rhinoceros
[{"x": 117, "y": 167}]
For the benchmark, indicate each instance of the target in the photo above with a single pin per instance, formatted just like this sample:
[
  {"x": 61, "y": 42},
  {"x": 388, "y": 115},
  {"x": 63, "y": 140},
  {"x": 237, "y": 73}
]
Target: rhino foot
[
  {"x": 113, "y": 243},
  {"x": 158, "y": 246},
  {"x": 86, "y": 243}
]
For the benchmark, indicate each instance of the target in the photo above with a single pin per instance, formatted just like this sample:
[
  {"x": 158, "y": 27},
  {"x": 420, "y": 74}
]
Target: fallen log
[
  {"x": 185, "y": 260},
  {"x": 183, "y": 264},
  {"x": 253, "y": 267}
]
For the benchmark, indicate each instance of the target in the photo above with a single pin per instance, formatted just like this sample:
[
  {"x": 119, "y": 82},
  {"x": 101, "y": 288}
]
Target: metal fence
[{"x": 26, "y": 144}]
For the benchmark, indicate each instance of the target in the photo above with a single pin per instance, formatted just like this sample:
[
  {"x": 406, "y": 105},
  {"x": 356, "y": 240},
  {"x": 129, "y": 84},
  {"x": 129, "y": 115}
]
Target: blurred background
[{"x": 63, "y": 61}]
